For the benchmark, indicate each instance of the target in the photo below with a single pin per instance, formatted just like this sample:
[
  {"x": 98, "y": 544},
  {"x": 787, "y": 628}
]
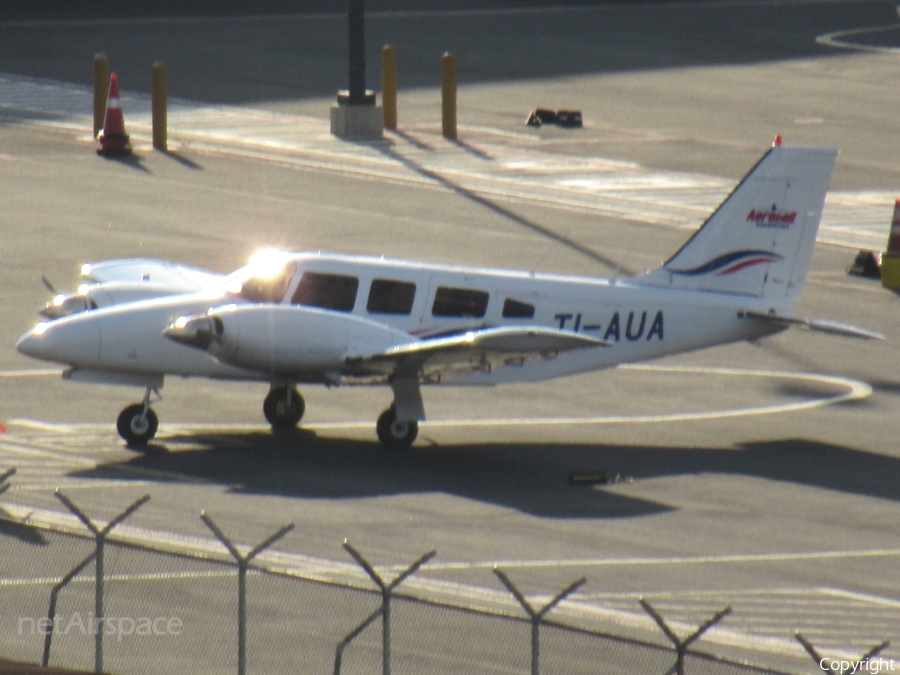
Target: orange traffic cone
[
  {"x": 113, "y": 139},
  {"x": 893, "y": 245},
  {"x": 890, "y": 259}
]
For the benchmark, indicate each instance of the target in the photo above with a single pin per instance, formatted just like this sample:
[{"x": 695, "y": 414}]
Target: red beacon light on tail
[{"x": 777, "y": 142}]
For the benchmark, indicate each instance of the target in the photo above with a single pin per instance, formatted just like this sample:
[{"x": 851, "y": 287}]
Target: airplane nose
[
  {"x": 32, "y": 343},
  {"x": 68, "y": 341}
]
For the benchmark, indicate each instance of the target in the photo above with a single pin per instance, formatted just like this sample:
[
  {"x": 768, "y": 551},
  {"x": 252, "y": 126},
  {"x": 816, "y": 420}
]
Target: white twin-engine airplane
[{"x": 311, "y": 318}]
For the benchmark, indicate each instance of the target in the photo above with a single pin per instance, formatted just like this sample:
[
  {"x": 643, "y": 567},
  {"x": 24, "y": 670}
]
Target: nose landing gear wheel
[
  {"x": 395, "y": 435},
  {"x": 136, "y": 426},
  {"x": 283, "y": 407}
]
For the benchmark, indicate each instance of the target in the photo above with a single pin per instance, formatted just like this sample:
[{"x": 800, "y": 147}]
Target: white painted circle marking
[{"x": 853, "y": 390}]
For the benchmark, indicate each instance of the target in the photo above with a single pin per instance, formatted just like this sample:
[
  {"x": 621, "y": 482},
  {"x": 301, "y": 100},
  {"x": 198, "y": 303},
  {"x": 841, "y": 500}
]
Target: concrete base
[{"x": 362, "y": 122}]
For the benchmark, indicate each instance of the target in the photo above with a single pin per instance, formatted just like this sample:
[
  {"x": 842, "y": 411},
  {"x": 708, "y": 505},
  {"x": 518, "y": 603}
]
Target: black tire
[
  {"x": 395, "y": 435},
  {"x": 135, "y": 427},
  {"x": 284, "y": 407}
]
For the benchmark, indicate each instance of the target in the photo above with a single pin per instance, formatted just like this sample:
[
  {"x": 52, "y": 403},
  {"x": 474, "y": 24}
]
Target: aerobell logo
[{"x": 772, "y": 218}]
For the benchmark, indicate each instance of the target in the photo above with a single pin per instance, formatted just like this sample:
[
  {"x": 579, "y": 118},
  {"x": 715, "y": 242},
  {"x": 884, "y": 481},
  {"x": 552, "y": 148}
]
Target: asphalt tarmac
[{"x": 761, "y": 477}]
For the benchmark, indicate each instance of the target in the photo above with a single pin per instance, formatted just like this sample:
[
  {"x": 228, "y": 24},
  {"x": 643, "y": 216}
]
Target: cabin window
[
  {"x": 515, "y": 309},
  {"x": 461, "y": 302},
  {"x": 268, "y": 287},
  {"x": 328, "y": 291},
  {"x": 387, "y": 296}
]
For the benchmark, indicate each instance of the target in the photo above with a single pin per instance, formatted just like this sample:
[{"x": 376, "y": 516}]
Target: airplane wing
[
  {"x": 481, "y": 350},
  {"x": 180, "y": 278},
  {"x": 819, "y": 325}
]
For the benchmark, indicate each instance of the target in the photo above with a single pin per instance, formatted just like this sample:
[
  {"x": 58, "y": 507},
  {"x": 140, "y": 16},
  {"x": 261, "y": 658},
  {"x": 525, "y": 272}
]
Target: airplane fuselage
[{"x": 413, "y": 301}]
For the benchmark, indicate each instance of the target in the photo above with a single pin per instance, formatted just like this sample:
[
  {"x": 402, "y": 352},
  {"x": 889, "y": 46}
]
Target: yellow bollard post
[
  {"x": 389, "y": 86},
  {"x": 101, "y": 90},
  {"x": 448, "y": 95},
  {"x": 159, "y": 76}
]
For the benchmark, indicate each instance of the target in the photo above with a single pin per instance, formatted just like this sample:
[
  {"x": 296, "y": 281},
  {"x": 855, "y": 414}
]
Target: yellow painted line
[
  {"x": 49, "y": 484},
  {"x": 148, "y": 576},
  {"x": 808, "y": 593},
  {"x": 674, "y": 560},
  {"x": 861, "y": 597},
  {"x": 50, "y": 426},
  {"x": 58, "y": 456}
]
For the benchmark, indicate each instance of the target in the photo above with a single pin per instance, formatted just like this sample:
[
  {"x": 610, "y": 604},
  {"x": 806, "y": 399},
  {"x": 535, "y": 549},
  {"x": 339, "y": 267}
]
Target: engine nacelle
[
  {"x": 284, "y": 340},
  {"x": 91, "y": 297}
]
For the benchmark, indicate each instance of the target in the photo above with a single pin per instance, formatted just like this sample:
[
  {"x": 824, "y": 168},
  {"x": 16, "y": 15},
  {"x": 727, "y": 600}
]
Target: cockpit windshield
[{"x": 262, "y": 281}]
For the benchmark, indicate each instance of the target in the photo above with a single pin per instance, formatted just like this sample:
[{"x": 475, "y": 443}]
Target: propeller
[{"x": 62, "y": 304}]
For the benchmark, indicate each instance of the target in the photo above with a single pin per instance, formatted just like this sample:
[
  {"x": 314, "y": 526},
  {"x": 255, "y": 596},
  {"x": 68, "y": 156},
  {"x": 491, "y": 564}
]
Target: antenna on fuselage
[{"x": 614, "y": 277}]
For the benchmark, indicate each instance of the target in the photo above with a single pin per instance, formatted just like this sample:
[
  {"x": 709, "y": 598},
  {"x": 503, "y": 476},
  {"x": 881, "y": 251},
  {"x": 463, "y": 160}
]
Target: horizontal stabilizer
[
  {"x": 819, "y": 325},
  {"x": 480, "y": 350}
]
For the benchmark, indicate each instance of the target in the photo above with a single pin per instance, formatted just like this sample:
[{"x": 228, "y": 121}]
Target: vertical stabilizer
[{"x": 760, "y": 240}]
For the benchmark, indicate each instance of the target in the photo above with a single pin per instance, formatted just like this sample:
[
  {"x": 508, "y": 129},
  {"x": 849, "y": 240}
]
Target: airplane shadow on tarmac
[
  {"x": 531, "y": 478},
  {"x": 388, "y": 151}
]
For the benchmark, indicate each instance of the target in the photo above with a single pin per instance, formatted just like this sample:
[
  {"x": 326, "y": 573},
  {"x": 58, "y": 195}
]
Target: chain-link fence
[{"x": 166, "y": 613}]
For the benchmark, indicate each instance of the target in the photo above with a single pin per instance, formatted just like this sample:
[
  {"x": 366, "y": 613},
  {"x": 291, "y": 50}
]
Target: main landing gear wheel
[
  {"x": 137, "y": 424},
  {"x": 395, "y": 435},
  {"x": 283, "y": 407}
]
